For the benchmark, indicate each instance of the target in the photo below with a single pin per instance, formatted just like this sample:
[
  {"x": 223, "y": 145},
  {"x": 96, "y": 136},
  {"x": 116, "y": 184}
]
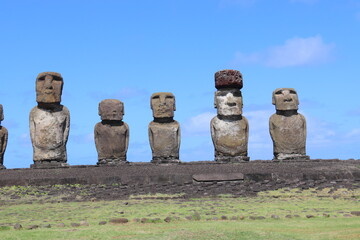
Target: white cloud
[
  {"x": 319, "y": 132},
  {"x": 294, "y": 52},
  {"x": 260, "y": 144},
  {"x": 299, "y": 51},
  {"x": 24, "y": 140},
  {"x": 199, "y": 124},
  {"x": 354, "y": 133}
]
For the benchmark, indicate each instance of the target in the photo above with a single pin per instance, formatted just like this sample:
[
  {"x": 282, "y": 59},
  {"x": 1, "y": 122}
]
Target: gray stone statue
[
  {"x": 49, "y": 123},
  {"x": 3, "y": 139},
  {"x": 229, "y": 129},
  {"x": 111, "y": 134},
  {"x": 164, "y": 131},
  {"x": 287, "y": 126}
]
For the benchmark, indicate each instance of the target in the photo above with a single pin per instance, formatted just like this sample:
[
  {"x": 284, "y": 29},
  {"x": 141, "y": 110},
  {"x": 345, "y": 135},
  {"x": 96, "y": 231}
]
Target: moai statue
[
  {"x": 287, "y": 126},
  {"x": 164, "y": 131},
  {"x": 49, "y": 123},
  {"x": 229, "y": 129},
  {"x": 3, "y": 139},
  {"x": 111, "y": 134}
]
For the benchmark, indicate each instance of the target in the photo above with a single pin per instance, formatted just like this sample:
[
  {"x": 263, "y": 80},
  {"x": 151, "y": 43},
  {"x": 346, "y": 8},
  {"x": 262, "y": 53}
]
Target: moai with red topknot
[
  {"x": 164, "y": 131},
  {"x": 3, "y": 138},
  {"x": 49, "y": 123},
  {"x": 287, "y": 126},
  {"x": 112, "y": 133},
  {"x": 229, "y": 129}
]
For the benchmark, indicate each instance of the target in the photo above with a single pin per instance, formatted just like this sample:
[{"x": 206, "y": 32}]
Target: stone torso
[
  {"x": 49, "y": 131},
  {"x": 230, "y": 138},
  {"x": 111, "y": 140},
  {"x": 288, "y": 134},
  {"x": 165, "y": 139}
]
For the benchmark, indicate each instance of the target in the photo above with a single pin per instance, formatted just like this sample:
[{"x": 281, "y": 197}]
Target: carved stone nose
[{"x": 231, "y": 104}]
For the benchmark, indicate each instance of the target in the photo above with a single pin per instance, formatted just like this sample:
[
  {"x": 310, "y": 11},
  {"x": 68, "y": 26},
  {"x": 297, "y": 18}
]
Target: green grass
[{"x": 331, "y": 211}]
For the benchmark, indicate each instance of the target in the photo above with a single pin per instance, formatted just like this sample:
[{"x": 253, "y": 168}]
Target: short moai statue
[
  {"x": 164, "y": 131},
  {"x": 3, "y": 138},
  {"x": 111, "y": 134},
  {"x": 49, "y": 123},
  {"x": 229, "y": 129},
  {"x": 287, "y": 126}
]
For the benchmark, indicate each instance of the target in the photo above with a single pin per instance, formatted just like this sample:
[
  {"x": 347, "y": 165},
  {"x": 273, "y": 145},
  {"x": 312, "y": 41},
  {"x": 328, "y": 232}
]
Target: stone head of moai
[
  {"x": 163, "y": 105},
  {"x": 228, "y": 102},
  {"x": 111, "y": 110},
  {"x": 285, "y": 99},
  {"x": 228, "y": 99},
  {"x": 49, "y": 87},
  {"x": 1, "y": 113}
]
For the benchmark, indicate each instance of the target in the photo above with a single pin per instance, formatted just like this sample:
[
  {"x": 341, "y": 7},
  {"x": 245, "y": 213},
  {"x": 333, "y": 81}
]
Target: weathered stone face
[
  {"x": 1, "y": 113},
  {"x": 111, "y": 109},
  {"x": 285, "y": 99},
  {"x": 49, "y": 131},
  {"x": 49, "y": 87},
  {"x": 228, "y": 79},
  {"x": 164, "y": 141},
  {"x": 163, "y": 104},
  {"x": 228, "y": 102}
]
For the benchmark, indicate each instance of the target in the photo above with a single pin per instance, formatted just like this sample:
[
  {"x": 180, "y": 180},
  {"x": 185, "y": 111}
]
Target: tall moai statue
[
  {"x": 164, "y": 131},
  {"x": 3, "y": 138},
  {"x": 229, "y": 129},
  {"x": 111, "y": 134},
  {"x": 287, "y": 126},
  {"x": 49, "y": 123}
]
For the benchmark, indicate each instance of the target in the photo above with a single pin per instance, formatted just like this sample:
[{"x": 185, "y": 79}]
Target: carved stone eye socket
[
  {"x": 278, "y": 92},
  {"x": 54, "y": 78},
  {"x": 169, "y": 97},
  {"x": 292, "y": 92},
  {"x": 237, "y": 94},
  {"x": 155, "y": 97},
  {"x": 221, "y": 93}
]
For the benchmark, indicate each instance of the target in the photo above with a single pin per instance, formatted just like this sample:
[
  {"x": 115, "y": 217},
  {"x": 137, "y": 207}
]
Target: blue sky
[{"x": 130, "y": 49}]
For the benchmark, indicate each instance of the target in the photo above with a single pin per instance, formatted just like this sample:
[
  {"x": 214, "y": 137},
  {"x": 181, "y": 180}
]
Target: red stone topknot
[{"x": 228, "y": 79}]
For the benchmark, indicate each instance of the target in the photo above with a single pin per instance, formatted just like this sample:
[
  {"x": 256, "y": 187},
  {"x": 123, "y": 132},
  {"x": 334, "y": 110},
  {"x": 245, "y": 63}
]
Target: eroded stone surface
[
  {"x": 229, "y": 129},
  {"x": 111, "y": 134},
  {"x": 228, "y": 79},
  {"x": 49, "y": 122},
  {"x": 3, "y": 139},
  {"x": 163, "y": 105},
  {"x": 287, "y": 126},
  {"x": 164, "y": 131}
]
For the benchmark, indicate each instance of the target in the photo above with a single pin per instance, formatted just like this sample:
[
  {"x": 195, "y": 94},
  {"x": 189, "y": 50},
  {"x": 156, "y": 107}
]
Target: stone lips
[{"x": 228, "y": 79}]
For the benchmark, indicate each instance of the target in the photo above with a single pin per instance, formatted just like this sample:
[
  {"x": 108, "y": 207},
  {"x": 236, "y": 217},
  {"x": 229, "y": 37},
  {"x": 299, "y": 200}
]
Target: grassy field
[{"x": 281, "y": 214}]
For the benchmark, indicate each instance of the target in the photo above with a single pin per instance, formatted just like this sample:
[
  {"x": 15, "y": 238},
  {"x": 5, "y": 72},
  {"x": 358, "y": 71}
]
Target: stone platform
[{"x": 193, "y": 178}]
